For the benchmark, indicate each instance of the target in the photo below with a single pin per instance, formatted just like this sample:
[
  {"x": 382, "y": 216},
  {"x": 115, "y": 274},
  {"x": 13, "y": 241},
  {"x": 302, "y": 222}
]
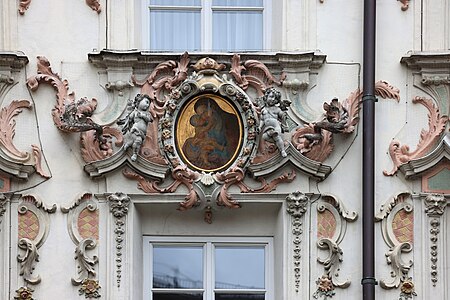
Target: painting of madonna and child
[{"x": 209, "y": 133}]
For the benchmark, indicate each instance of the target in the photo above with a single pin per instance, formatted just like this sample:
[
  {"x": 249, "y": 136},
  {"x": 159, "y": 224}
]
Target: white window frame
[
  {"x": 206, "y": 10},
  {"x": 208, "y": 260}
]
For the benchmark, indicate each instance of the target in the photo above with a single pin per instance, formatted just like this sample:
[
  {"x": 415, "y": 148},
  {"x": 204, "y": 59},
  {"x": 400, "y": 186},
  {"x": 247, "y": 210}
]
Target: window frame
[
  {"x": 206, "y": 12},
  {"x": 208, "y": 243}
]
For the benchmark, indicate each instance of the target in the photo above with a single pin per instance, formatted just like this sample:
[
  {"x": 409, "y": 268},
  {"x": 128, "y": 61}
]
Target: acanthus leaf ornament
[
  {"x": 257, "y": 75},
  {"x": 33, "y": 230},
  {"x": 69, "y": 115},
  {"x": 83, "y": 225},
  {"x": 405, "y": 4},
  {"x": 94, "y": 5},
  {"x": 23, "y": 6},
  {"x": 397, "y": 223},
  {"x": 7, "y": 125},
  {"x": 332, "y": 212},
  {"x": 315, "y": 139},
  {"x": 428, "y": 138},
  {"x": 27, "y": 260},
  {"x": 180, "y": 174}
]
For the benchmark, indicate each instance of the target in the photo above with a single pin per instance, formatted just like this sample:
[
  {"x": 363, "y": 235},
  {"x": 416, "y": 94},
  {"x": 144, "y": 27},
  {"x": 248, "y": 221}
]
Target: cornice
[
  {"x": 108, "y": 58},
  {"x": 418, "y": 166},
  {"x": 12, "y": 60}
]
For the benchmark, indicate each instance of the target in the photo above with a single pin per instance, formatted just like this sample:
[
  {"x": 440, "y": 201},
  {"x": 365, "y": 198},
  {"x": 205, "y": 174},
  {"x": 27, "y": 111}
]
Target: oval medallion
[{"x": 208, "y": 133}]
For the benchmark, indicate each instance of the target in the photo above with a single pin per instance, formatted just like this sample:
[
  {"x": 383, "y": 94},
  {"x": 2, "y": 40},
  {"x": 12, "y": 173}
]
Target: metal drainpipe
[{"x": 368, "y": 164}]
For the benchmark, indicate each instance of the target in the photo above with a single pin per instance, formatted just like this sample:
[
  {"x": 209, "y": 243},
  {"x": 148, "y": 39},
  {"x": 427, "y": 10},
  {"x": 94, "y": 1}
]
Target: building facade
[{"x": 212, "y": 149}]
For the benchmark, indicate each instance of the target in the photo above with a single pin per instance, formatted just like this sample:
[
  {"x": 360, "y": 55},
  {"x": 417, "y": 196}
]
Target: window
[
  {"x": 207, "y": 268},
  {"x": 217, "y": 25}
]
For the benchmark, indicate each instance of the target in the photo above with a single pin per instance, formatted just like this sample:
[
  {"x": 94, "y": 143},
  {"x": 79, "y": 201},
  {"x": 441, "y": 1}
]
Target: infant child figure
[
  {"x": 273, "y": 118},
  {"x": 135, "y": 124}
]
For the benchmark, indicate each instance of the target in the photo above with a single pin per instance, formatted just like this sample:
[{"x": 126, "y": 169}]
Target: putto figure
[
  {"x": 274, "y": 118},
  {"x": 135, "y": 123}
]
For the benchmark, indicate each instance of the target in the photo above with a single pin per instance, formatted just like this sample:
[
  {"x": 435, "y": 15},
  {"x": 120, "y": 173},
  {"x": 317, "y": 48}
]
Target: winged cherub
[
  {"x": 274, "y": 118},
  {"x": 135, "y": 123}
]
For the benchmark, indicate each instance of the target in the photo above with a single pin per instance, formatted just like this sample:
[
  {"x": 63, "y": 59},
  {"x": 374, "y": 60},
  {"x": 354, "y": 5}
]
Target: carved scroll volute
[
  {"x": 32, "y": 232},
  {"x": 83, "y": 227},
  {"x": 7, "y": 129},
  {"x": 315, "y": 140},
  {"x": 331, "y": 228},
  {"x": 69, "y": 115},
  {"x": 428, "y": 138},
  {"x": 94, "y": 5},
  {"x": 253, "y": 73},
  {"x": 397, "y": 227},
  {"x": 23, "y": 6}
]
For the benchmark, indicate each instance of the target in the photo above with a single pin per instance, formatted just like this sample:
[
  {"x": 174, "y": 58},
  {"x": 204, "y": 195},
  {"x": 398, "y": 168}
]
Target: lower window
[{"x": 181, "y": 268}]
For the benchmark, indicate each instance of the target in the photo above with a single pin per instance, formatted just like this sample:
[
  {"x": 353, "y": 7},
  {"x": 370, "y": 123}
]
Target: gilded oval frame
[{"x": 208, "y": 133}]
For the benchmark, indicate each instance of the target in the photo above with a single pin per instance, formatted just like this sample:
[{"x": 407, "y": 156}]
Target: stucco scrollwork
[
  {"x": 397, "y": 227},
  {"x": 405, "y": 4},
  {"x": 94, "y": 5},
  {"x": 69, "y": 115},
  {"x": 23, "y": 6},
  {"x": 253, "y": 73},
  {"x": 315, "y": 140},
  {"x": 332, "y": 225},
  {"x": 435, "y": 205},
  {"x": 83, "y": 227},
  {"x": 296, "y": 206},
  {"x": 428, "y": 138},
  {"x": 32, "y": 233},
  {"x": 7, "y": 125},
  {"x": 118, "y": 205}
]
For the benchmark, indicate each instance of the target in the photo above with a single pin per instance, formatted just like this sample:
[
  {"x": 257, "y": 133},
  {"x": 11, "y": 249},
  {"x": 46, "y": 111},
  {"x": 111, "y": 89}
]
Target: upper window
[
  {"x": 212, "y": 268},
  {"x": 208, "y": 25}
]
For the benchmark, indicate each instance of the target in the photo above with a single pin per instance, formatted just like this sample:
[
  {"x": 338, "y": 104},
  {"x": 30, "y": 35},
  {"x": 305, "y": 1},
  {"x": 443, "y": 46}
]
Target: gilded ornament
[
  {"x": 90, "y": 287},
  {"x": 24, "y": 293}
]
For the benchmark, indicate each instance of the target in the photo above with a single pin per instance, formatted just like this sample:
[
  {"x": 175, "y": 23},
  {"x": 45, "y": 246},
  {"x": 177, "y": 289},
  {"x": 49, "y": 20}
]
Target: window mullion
[
  {"x": 207, "y": 25},
  {"x": 267, "y": 24},
  {"x": 209, "y": 273}
]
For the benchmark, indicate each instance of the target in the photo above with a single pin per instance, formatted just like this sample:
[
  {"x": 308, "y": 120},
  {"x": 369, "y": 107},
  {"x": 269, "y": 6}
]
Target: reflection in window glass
[
  {"x": 177, "y": 296},
  {"x": 177, "y": 267},
  {"x": 239, "y": 268},
  {"x": 241, "y": 3},
  {"x": 229, "y": 33},
  {"x": 239, "y": 297},
  {"x": 175, "y": 30}
]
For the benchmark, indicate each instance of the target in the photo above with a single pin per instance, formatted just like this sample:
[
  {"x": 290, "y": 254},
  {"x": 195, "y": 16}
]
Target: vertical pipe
[{"x": 368, "y": 164}]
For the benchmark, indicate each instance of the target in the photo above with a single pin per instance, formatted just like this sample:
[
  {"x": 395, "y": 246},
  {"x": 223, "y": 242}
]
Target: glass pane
[
  {"x": 237, "y": 30},
  {"x": 239, "y": 297},
  {"x": 176, "y": 2},
  {"x": 172, "y": 30},
  {"x": 177, "y": 267},
  {"x": 236, "y": 3},
  {"x": 157, "y": 296},
  {"x": 239, "y": 268}
]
